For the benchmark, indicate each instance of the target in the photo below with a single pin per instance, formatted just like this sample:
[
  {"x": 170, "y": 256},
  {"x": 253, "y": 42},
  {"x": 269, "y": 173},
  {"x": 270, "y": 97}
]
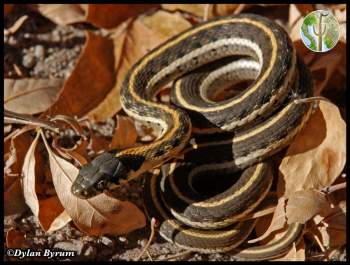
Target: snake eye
[{"x": 101, "y": 184}]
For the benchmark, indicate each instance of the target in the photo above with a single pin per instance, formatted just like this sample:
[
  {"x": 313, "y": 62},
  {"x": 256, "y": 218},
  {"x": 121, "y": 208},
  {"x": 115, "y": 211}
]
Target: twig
[
  {"x": 149, "y": 255},
  {"x": 19, "y": 22},
  {"x": 178, "y": 255},
  {"x": 239, "y": 9},
  {"x": 12, "y": 117},
  {"x": 335, "y": 187},
  {"x": 319, "y": 243},
  {"x": 310, "y": 99},
  {"x": 206, "y": 12},
  {"x": 153, "y": 224}
]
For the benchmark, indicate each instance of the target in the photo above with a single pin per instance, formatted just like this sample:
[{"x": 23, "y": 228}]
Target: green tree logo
[{"x": 320, "y": 31}]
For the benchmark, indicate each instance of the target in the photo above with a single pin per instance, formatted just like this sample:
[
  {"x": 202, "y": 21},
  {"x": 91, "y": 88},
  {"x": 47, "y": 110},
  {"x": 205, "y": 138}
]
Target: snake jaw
[{"x": 98, "y": 176}]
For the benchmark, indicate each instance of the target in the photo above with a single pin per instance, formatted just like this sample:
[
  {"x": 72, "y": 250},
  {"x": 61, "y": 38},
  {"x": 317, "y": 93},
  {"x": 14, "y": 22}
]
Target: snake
[{"x": 231, "y": 140}]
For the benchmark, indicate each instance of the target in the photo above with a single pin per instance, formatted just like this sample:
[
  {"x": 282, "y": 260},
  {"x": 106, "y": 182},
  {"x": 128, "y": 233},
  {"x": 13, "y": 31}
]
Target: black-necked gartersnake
[{"x": 248, "y": 129}]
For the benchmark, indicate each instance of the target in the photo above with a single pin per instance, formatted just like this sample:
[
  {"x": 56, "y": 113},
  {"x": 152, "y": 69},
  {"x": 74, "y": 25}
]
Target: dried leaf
[
  {"x": 7, "y": 9},
  {"x": 163, "y": 23},
  {"x": 331, "y": 226},
  {"x": 99, "y": 215},
  {"x": 63, "y": 14},
  {"x": 131, "y": 43},
  {"x": 229, "y": 9},
  {"x": 317, "y": 155},
  {"x": 296, "y": 253},
  {"x": 15, "y": 239},
  {"x": 305, "y": 8},
  {"x": 341, "y": 17},
  {"x": 278, "y": 221},
  {"x": 111, "y": 15},
  {"x": 196, "y": 9},
  {"x": 90, "y": 80},
  {"x": 15, "y": 148},
  {"x": 294, "y": 22},
  {"x": 59, "y": 222},
  {"x": 19, "y": 94},
  {"x": 125, "y": 134},
  {"x": 45, "y": 209},
  {"x": 313, "y": 202}
]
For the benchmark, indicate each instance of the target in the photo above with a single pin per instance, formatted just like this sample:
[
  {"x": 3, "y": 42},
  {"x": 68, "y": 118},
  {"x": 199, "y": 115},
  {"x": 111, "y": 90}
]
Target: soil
[{"x": 43, "y": 49}]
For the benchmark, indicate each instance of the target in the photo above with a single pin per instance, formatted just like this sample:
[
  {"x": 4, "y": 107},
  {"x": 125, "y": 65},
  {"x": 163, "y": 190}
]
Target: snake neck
[{"x": 140, "y": 159}]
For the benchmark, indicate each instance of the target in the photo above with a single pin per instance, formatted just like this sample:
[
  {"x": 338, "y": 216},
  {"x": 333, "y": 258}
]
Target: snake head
[{"x": 99, "y": 175}]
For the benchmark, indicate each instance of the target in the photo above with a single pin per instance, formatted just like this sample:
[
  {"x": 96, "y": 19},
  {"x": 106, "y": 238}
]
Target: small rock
[
  {"x": 39, "y": 52},
  {"x": 72, "y": 245},
  {"x": 28, "y": 60},
  {"x": 12, "y": 41},
  {"x": 107, "y": 241},
  {"x": 122, "y": 239},
  {"x": 90, "y": 252}
]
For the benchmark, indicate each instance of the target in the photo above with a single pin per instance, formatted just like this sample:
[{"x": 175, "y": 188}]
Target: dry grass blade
[
  {"x": 153, "y": 224},
  {"x": 12, "y": 117}
]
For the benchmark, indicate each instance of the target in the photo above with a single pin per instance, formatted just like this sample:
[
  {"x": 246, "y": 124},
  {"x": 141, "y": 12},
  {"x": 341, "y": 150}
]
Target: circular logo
[{"x": 320, "y": 31}]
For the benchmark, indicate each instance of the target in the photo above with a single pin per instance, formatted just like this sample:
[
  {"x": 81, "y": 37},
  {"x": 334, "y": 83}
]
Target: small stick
[
  {"x": 12, "y": 117},
  {"x": 310, "y": 99},
  {"x": 335, "y": 187},
  {"x": 319, "y": 243},
  {"x": 206, "y": 12},
  {"x": 153, "y": 224}
]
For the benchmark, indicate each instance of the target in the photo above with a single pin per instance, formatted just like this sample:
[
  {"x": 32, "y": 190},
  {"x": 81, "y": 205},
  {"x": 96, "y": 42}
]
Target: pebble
[
  {"x": 28, "y": 60},
  {"x": 90, "y": 252},
  {"x": 12, "y": 41},
  {"x": 39, "y": 52},
  {"x": 72, "y": 245},
  {"x": 122, "y": 239},
  {"x": 107, "y": 241}
]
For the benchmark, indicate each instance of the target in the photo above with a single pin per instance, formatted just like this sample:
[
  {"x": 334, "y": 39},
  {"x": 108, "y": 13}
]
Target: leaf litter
[{"x": 118, "y": 37}]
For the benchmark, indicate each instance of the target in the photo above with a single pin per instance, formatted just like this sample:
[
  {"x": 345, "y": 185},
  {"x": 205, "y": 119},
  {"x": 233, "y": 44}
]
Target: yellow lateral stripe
[
  {"x": 256, "y": 174},
  {"x": 181, "y": 37},
  {"x": 253, "y": 88},
  {"x": 273, "y": 121}
]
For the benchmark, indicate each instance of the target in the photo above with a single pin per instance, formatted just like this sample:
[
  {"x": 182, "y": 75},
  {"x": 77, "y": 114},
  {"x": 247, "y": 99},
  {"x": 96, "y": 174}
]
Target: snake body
[{"x": 264, "y": 118}]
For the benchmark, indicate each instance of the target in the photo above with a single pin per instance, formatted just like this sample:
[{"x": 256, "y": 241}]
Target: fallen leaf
[
  {"x": 331, "y": 226},
  {"x": 62, "y": 14},
  {"x": 7, "y": 9},
  {"x": 15, "y": 239},
  {"x": 90, "y": 81},
  {"x": 229, "y": 9},
  {"x": 317, "y": 155},
  {"x": 163, "y": 23},
  {"x": 196, "y": 9},
  {"x": 96, "y": 216},
  {"x": 15, "y": 148},
  {"x": 278, "y": 221},
  {"x": 19, "y": 94},
  {"x": 134, "y": 40},
  {"x": 305, "y": 8},
  {"x": 125, "y": 134},
  {"x": 341, "y": 17},
  {"x": 105, "y": 16},
  {"x": 296, "y": 253},
  {"x": 295, "y": 20},
  {"x": 45, "y": 209},
  {"x": 59, "y": 222},
  {"x": 313, "y": 202},
  {"x": 111, "y": 15}
]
